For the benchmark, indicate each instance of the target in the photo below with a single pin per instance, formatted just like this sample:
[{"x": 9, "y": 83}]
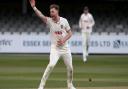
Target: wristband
[{"x": 34, "y": 8}]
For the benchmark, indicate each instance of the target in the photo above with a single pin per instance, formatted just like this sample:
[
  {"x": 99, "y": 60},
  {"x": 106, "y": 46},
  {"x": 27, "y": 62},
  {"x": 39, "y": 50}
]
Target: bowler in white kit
[
  {"x": 60, "y": 33},
  {"x": 86, "y": 24}
]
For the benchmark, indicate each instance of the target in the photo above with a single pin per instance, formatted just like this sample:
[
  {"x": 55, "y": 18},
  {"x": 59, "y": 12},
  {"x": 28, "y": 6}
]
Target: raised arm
[{"x": 38, "y": 13}]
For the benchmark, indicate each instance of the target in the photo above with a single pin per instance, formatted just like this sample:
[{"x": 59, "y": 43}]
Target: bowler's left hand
[{"x": 60, "y": 42}]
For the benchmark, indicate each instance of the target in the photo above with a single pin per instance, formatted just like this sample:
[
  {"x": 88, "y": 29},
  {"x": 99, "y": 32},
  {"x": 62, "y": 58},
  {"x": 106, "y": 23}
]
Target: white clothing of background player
[
  {"x": 60, "y": 33},
  {"x": 86, "y": 24}
]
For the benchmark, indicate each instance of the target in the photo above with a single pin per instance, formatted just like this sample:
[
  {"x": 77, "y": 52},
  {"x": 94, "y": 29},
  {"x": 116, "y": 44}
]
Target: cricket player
[
  {"x": 60, "y": 33},
  {"x": 86, "y": 24}
]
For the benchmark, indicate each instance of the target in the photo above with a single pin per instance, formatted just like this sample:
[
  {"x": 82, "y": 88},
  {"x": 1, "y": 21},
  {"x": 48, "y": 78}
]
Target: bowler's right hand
[{"x": 32, "y": 3}]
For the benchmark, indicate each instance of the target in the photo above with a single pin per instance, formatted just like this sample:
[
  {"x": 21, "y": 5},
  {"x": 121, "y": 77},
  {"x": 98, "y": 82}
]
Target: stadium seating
[{"x": 30, "y": 23}]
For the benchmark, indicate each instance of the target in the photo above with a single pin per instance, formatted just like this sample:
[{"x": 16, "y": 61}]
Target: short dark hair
[{"x": 55, "y": 6}]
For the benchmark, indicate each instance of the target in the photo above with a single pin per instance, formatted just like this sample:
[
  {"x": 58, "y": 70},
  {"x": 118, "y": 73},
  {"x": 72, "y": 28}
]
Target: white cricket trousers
[
  {"x": 54, "y": 57},
  {"x": 85, "y": 42}
]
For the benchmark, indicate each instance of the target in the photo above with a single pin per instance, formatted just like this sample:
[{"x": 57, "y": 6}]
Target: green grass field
[{"x": 20, "y": 71}]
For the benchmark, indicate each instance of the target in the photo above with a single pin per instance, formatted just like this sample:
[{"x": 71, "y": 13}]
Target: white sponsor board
[
  {"x": 24, "y": 43},
  {"x": 114, "y": 44},
  {"x": 40, "y": 43}
]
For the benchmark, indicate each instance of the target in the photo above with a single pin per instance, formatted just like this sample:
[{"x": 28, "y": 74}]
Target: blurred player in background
[
  {"x": 86, "y": 24},
  {"x": 60, "y": 33}
]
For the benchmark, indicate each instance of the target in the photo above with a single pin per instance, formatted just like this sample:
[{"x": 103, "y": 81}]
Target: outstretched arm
[{"x": 38, "y": 13}]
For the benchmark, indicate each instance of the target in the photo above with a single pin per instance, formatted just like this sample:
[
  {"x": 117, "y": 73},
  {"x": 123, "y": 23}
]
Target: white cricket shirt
[
  {"x": 86, "y": 20},
  {"x": 58, "y": 30}
]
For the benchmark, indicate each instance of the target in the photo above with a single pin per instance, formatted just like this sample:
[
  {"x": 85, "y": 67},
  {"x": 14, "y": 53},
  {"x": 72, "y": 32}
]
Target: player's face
[
  {"x": 86, "y": 11},
  {"x": 53, "y": 12}
]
